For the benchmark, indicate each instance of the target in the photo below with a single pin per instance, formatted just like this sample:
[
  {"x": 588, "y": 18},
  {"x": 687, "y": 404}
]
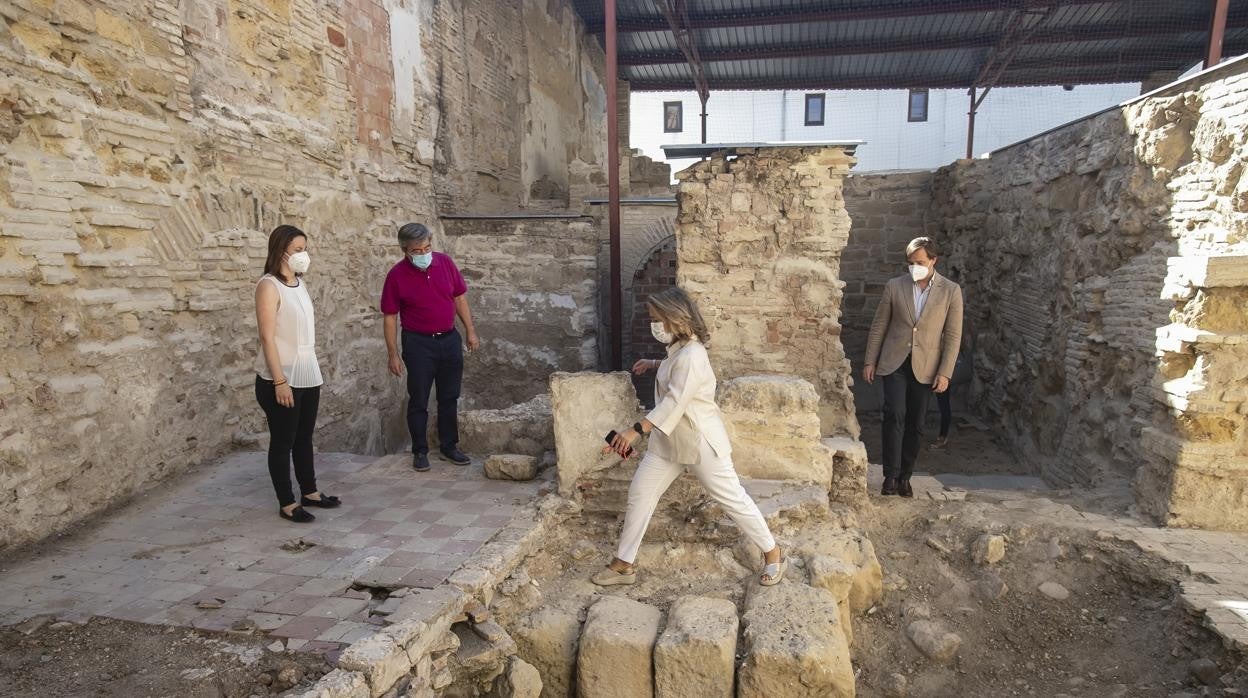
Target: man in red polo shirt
[{"x": 424, "y": 292}]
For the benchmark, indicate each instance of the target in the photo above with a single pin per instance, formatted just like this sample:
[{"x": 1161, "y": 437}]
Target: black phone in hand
[{"x": 610, "y": 438}]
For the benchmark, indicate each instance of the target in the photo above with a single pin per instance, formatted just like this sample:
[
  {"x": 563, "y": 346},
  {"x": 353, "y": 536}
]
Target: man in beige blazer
[{"x": 912, "y": 347}]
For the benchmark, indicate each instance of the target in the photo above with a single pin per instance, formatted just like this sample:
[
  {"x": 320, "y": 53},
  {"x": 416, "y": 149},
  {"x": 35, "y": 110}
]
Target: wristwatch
[{"x": 637, "y": 428}]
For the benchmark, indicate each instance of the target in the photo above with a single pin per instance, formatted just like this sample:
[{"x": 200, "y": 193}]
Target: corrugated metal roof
[{"x": 772, "y": 44}]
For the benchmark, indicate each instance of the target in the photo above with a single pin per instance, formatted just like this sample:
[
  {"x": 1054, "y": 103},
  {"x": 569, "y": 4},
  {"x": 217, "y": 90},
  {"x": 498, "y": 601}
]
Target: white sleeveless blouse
[{"x": 296, "y": 336}]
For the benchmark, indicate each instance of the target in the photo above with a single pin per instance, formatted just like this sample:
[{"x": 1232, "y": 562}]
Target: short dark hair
[
  {"x": 413, "y": 232},
  {"x": 926, "y": 244},
  {"x": 279, "y": 240}
]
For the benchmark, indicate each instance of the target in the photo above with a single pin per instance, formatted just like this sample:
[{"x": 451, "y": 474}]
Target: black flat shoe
[
  {"x": 890, "y": 487},
  {"x": 420, "y": 462},
  {"x": 904, "y": 489},
  {"x": 327, "y": 501},
  {"x": 298, "y": 515},
  {"x": 456, "y": 456}
]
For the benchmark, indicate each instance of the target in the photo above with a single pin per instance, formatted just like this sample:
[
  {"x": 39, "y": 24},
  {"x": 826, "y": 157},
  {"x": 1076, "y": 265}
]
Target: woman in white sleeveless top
[{"x": 288, "y": 380}]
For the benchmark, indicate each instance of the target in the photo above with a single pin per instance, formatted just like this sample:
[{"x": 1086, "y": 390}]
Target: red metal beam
[
  {"x": 613, "y": 190},
  {"x": 1217, "y": 31},
  {"x": 901, "y": 8},
  {"x": 874, "y": 47}
]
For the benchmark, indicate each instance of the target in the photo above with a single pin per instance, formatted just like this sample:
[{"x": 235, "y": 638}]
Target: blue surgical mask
[{"x": 421, "y": 261}]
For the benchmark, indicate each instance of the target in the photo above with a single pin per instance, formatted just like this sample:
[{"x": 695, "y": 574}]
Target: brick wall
[
  {"x": 656, "y": 273},
  {"x": 886, "y": 211},
  {"x": 148, "y": 148},
  {"x": 1105, "y": 269}
]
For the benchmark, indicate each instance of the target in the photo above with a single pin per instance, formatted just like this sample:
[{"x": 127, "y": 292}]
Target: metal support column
[
  {"x": 613, "y": 190},
  {"x": 1217, "y": 31},
  {"x": 970, "y": 125}
]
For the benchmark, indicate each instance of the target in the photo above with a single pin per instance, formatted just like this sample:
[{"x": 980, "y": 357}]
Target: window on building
[
  {"x": 814, "y": 109},
  {"x": 673, "y": 117},
  {"x": 918, "y": 106}
]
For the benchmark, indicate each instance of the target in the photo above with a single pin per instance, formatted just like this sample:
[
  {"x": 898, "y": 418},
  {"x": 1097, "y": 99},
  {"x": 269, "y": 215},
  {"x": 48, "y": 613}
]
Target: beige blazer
[
  {"x": 931, "y": 342},
  {"x": 685, "y": 409}
]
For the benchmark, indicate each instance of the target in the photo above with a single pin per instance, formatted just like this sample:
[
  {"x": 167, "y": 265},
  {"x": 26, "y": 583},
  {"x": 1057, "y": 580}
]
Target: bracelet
[
  {"x": 281, "y": 382},
  {"x": 637, "y": 428}
]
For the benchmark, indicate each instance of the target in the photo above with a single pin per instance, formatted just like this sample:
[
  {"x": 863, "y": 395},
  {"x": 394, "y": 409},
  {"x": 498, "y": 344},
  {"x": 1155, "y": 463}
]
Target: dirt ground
[
  {"x": 132, "y": 660},
  {"x": 971, "y": 449},
  {"x": 1120, "y": 633}
]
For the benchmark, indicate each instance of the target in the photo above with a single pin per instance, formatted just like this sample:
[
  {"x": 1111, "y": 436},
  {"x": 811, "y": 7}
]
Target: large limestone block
[
  {"x": 616, "y": 659},
  {"x": 586, "y": 406},
  {"x": 773, "y": 422},
  {"x": 795, "y": 645},
  {"x": 695, "y": 654},
  {"x": 548, "y": 639},
  {"x": 855, "y": 551}
]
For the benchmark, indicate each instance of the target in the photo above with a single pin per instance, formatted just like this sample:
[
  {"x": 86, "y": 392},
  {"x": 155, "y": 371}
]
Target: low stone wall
[
  {"x": 760, "y": 238},
  {"x": 1103, "y": 268}
]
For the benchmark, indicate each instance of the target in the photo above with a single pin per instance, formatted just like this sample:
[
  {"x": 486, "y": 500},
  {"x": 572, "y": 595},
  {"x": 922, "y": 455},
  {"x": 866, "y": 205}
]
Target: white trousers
[{"x": 654, "y": 475}]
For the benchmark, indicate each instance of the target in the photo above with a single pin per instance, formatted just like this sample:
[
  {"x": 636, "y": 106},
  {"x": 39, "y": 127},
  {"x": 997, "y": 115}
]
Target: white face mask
[
  {"x": 918, "y": 272},
  {"x": 299, "y": 262},
  {"x": 660, "y": 333}
]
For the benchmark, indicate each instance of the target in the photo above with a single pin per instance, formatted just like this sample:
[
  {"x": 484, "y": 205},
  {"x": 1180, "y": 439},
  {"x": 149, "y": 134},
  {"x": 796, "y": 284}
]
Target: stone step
[
  {"x": 695, "y": 654},
  {"x": 616, "y": 654},
  {"x": 795, "y": 644}
]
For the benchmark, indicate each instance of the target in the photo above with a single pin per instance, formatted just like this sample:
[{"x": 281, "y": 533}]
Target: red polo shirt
[{"x": 423, "y": 300}]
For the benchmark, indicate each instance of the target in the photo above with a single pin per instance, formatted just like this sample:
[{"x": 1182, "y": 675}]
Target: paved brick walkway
[{"x": 215, "y": 537}]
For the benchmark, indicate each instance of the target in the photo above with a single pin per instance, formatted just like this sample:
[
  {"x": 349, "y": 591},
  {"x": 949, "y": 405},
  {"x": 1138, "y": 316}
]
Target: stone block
[
  {"x": 988, "y": 549},
  {"x": 773, "y": 422},
  {"x": 523, "y": 680},
  {"x": 510, "y": 466},
  {"x": 866, "y": 585},
  {"x": 586, "y": 406},
  {"x": 526, "y": 428},
  {"x": 615, "y": 658},
  {"x": 696, "y": 653},
  {"x": 790, "y": 654},
  {"x": 379, "y": 659},
  {"x": 548, "y": 639}
]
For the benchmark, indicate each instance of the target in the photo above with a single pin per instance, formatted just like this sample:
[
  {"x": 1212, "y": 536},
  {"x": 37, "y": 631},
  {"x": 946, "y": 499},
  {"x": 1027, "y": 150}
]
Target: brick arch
[
  {"x": 656, "y": 271},
  {"x": 640, "y": 246}
]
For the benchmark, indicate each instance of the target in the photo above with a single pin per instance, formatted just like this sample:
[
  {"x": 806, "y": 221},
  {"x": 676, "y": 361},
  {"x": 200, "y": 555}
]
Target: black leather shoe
[
  {"x": 298, "y": 515},
  {"x": 456, "y": 456},
  {"x": 420, "y": 462},
  {"x": 890, "y": 486},
  {"x": 327, "y": 501},
  {"x": 903, "y": 487}
]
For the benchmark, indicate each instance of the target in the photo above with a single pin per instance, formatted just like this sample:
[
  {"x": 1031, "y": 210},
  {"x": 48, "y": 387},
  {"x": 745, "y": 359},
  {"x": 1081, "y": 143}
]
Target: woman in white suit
[{"x": 685, "y": 430}]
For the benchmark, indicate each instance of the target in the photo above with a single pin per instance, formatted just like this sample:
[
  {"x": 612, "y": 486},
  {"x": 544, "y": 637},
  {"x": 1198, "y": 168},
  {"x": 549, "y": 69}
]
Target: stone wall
[
  {"x": 534, "y": 292},
  {"x": 1105, "y": 262},
  {"x": 886, "y": 210},
  {"x": 147, "y": 148},
  {"x": 760, "y": 238}
]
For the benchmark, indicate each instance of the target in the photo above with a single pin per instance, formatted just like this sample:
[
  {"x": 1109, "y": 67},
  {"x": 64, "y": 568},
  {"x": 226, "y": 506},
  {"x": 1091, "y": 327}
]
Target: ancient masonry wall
[
  {"x": 759, "y": 243},
  {"x": 886, "y": 210},
  {"x": 535, "y": 299},
  {"x": 1106, "y": 268},
  {"x": 148, "y": 147}
]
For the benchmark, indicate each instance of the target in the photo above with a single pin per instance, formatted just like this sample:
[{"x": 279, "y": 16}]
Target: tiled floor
[{"x": 215, "y": 537}]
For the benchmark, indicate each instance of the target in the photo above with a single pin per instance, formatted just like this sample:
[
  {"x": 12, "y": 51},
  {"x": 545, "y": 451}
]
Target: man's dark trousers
[
  {"x": 433, "y": 361},
  {"x": 905, "y": 406}
]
